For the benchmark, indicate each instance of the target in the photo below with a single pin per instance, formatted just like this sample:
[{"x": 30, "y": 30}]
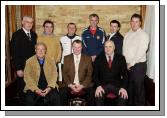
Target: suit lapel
[{"x": 81, "y": 63}]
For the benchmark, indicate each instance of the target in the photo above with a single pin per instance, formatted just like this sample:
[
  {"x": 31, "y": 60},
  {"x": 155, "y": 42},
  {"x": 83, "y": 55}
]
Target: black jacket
[
  {"x": 118, "y": 41},
  {"x": 117, "y": 75},
  {"x": 22, "y": 48}
]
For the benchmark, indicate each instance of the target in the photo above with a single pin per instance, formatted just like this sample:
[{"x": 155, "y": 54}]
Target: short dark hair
[
  {"x": 93, "y": 15},
  {"x": 48, "y": 21},
  {"x": 115, "y": 21},
  {"x": 77, "y": 41},
  {"x": 71, "y": 23},
  {"x": 137, "y": 16}
]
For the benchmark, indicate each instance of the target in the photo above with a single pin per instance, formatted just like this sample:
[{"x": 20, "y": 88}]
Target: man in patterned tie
[{"x": 110, "y": 75}]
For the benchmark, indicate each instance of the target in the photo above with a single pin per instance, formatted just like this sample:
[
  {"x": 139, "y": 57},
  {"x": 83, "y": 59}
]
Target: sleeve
[
  {"x": 53, "y": 75},
  {"x": 28, "y": 78},
  {"x": 16, "y": 53},
  {"x": 96, "y": 73},
  {"x": 141, "y": 50},
  {"x": 65, "y": 72},
  {"x": 84, "y": 49},
  {"x": 124, "y": 73},
  {"x": 59, "y": 51},
  {"x": 88, "y": 78}
]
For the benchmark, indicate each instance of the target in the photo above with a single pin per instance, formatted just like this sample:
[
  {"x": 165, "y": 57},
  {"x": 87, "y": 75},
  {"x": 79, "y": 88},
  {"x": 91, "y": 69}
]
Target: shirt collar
[
  {"x": 112, "y": 56},
  {"x": 25, "y": 30}
]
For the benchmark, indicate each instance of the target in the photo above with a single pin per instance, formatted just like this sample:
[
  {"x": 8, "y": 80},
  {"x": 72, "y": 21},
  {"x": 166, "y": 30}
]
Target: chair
[
  {"x": 110, "y": 99},
  {"x": 76, "y": 98}
]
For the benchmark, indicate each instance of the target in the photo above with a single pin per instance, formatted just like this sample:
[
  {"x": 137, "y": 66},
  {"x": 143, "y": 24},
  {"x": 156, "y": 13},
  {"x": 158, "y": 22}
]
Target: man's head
[
  {"x": 77, "y": 47},
  {"x": 114, "y": 26},
  {"x": 109, "y": 47},
  {"x": 27, "y": 22},
  {"x": 94, "y": 20},
  {"x": 71, "y": 27},
  {"x": 40, "y": 49},
  {"x": 48, "y": 27},
  {"x": 135, "y": 22}
]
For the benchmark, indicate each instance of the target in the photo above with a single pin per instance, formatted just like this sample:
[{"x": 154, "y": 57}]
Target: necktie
[
  {"x": 109, "y": 62},
  {"x": 76, "y": 78},
  {"x": 29, "y": 37}
]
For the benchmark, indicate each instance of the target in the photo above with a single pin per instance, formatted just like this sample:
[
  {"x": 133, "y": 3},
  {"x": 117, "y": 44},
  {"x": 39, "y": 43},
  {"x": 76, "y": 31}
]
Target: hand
[
  {"x": 123, "y": 93},
  {"x": 72, "y": 87},
  {"x": 79, "y": 87},
  {"x": 39, "y": 92},
  {"x": 20, "y": 73},
  {"x": 46, "y": 91},
  {"x": 93, "y": 58},
  {"x": 129, "y": 66},
  {"x": 99, "y": 91}
]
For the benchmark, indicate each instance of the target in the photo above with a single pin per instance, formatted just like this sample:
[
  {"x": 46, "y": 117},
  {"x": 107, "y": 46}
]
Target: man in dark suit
[
  {"x": 115, "y": 36},
  {"x": 22, "y": 46},
  {"x": 110, "y": 75},
  {"x": 77, "y": 73}
]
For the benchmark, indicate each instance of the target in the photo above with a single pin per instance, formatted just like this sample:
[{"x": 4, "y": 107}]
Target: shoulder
[
  {"x": 85, "y": 30},
  {"x": 101, "y": 29},
  {"x": 31, "y": 59},
  {"x": 68, "y": 56},
  {"x": 119, "y": 56}
]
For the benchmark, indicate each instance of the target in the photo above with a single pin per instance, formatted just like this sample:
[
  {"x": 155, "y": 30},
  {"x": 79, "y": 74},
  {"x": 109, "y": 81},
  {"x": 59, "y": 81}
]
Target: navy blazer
[
  {"x": 117, "y": 75},
  {"x": 22, "y": 48}
]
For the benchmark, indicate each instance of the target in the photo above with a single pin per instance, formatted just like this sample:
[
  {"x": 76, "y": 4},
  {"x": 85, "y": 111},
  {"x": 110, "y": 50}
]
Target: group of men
[{"x": 93, "y": 65}]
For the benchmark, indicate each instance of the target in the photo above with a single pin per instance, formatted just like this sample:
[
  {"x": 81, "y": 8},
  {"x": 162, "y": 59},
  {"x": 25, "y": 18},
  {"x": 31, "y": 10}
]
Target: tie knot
[
  {"x": 28, "y": 34},
  {"x": 109, "y": 57}
]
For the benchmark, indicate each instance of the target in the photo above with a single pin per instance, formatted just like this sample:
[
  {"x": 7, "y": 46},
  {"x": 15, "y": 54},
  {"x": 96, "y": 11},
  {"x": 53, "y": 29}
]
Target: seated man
[
  {"x": 77, "y": 74},
  {"x": 40, "y": 78},
  {"x": 110, "y": 75}
]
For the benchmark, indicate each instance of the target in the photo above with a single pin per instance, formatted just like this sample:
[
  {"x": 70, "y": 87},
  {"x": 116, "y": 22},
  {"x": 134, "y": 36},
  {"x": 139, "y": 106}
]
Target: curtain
[{"x": 149, "y": 27}]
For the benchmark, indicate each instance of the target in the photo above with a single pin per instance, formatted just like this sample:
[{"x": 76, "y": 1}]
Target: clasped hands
[
  {"x": 44, "y": 92},
  {"x": 76, "y": 87}
]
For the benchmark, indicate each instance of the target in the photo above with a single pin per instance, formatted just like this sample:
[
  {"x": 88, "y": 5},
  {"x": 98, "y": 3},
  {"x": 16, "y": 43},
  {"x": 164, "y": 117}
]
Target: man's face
[
  {"x": 94, "y": 21},
  {"x": 27, "y": 23},
  {"x": 114, "y": 27},
  {"x": 40, "y": 51},
  {"x": 135, "y": 24},
  {"x": 48, "y": 29},
  {"x": 109, "y": 48},
  {"x": 71, "y": 29},
  {"x": 77, "y": 48}
]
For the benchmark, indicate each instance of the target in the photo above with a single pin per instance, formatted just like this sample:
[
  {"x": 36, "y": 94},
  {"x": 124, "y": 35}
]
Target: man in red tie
[{"x": 110, "y": 75}]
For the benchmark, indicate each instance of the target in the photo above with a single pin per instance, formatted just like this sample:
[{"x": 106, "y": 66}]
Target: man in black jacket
[
  {"x": 110, "y": 75},
  {"x": 115, "y": 36},
  {"x": 22, "y": 46}
]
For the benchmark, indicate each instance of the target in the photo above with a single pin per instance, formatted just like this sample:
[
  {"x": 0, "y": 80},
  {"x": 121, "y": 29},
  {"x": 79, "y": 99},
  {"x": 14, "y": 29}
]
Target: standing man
[
  {"x": 93, "y": 38},
  {"x": 115, "y": 36},
  {"x": 23, "y": 46},
  {"x": 135, "y": 46},
  {"x": 110, "y": 75},
  {"x": 77, "y": 73},
  {"x": 49, "y": 38}
]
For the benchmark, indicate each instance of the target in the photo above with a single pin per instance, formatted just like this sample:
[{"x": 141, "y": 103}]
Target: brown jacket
[
  {"x": 32, "y": 73},
  {"x": 85, "y": 70}
]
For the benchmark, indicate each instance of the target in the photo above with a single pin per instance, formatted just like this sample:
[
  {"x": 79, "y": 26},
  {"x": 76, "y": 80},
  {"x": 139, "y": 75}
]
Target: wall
[{"x": 62, "y": 15}]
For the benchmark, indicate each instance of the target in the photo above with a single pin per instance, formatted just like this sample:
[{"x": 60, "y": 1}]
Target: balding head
[{"x": 109, "y": 47}]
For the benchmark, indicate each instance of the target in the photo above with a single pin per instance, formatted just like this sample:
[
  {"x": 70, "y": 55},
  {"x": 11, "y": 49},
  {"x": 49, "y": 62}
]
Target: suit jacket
[
  {"x": 118, "y": 41},
  {"x": 84, "y": 72},
  {"x": 117, "y": 75},
  {"x": 22, "y": 48},
  {"x": 32, "y": 73}
]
